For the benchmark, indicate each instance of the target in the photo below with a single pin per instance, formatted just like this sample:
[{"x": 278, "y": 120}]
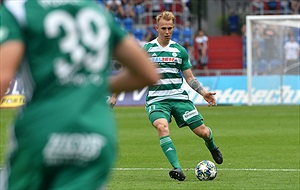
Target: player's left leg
[
  {"x": 206, "y": 133},
  {"x": 186, "y": 114}
]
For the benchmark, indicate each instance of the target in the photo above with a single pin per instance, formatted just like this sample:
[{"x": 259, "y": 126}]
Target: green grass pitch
[{"x": 260, "y": 145}]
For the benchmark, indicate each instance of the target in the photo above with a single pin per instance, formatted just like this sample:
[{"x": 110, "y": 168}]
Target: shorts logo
[
  {"x": 73, "y": 148},
  {"x": 189, "y": 114}
]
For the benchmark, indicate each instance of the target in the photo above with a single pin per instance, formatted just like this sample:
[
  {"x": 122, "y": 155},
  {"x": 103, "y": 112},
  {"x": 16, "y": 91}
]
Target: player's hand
[
  {"x": 210, "y": 98},
  {"x": 111, "y": 100}
]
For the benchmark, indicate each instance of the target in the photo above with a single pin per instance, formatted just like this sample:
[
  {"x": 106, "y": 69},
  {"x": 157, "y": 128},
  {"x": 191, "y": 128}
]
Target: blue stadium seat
[
  {"x": 187, "y": 32},
  {"x": 154, "y": 32},
  {"x": 297, "y": 32},
  {"x": 100, "y": 1},
  {"x": 176, "y": 40},
  {"x": 190, "y": 40},
  {"x": 176, "y": 35},
  {"x": 138, "y": 33},
  {"x": 128, "y": 24},
  {"x": 139, "y": 10}
]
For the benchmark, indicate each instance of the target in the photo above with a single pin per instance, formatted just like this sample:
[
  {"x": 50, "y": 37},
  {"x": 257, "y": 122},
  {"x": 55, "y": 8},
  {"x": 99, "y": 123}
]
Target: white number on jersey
[{"x": 87, "y": 29}]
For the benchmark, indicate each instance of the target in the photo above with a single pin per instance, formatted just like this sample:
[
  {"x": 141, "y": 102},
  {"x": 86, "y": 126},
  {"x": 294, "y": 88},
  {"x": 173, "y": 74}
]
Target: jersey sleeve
[
  {"x": 186, "y": 64},
  {"x": 9, "y": 27}
]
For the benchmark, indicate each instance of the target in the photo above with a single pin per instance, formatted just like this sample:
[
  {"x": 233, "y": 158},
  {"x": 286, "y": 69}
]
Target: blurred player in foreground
[
  {"x": 167, "y": 98},
  {"x": 65, "y": 137}
]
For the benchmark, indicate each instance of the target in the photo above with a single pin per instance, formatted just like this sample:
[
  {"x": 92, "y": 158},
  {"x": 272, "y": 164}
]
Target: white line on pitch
[{"x": 222, "y": 169}]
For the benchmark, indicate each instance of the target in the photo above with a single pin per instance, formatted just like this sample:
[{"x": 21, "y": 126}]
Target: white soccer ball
[{"x": 206, "y": 170}]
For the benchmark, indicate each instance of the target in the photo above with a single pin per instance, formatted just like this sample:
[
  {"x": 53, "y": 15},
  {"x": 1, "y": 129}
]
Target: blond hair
[{"x": 166, "y": 15}]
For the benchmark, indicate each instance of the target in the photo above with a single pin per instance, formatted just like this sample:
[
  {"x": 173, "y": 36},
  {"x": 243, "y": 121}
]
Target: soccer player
[
  {"x": 65, "y": 136},
  {"x": 167, "y": 98}
]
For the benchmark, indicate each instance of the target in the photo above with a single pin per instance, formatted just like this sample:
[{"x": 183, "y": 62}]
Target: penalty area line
[{"x": 221, "y": 169}]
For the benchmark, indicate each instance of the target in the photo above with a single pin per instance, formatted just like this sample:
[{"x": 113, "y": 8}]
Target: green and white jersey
[
  {"x": 67, "y": 60},
  {"x": 170, "y": 60}
]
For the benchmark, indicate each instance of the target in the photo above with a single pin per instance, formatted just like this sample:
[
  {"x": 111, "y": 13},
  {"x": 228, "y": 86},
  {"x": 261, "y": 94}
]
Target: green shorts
[
  {"x": 65, "y": 160},
  {"x": 183, "y": 111}
]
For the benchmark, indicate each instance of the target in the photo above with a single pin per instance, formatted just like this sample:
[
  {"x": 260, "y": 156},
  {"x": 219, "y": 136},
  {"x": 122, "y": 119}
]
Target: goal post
[{"x": 266, "y": 36}]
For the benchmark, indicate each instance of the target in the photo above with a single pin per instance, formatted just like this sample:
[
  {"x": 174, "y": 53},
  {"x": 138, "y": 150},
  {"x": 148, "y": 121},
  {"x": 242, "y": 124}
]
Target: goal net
[{"x": 271, "y": 42}]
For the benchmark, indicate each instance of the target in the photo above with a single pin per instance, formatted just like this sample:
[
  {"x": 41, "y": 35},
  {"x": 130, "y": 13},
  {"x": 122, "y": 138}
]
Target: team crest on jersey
[
  {"x": 189, "y": 114},
  {"x": 174, "y": 54},
  {"x": 154, "y": 54}
]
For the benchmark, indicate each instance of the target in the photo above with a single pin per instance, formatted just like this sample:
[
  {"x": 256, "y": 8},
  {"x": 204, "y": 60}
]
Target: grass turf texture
[{"x": 260, "y": 145}]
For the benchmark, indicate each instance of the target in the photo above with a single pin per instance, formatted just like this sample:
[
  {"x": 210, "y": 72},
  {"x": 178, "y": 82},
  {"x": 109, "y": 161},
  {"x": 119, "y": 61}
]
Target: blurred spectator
[
  {"x": 189, "y": 48},
  {"x": 149, "y": 36},
  {"x": 201, "y": 50},
  {"x": 270, "y": 50},
  {"x": 257, "y": 45},
  {"x": 187, "y": 9},
  {"x": 138, "y": 2},
  {"x": 188, "y": 4},
  {"x": 285, "y": 8},
  {"x": 244, "y": 41},
  {"x": 233, "y": 22},
  {"x": 295, "y": 6},
  {"x": 129, "y": 8},
  {"x": 292, "y": 50},
  {"x": 154, "y": 7},
  {"x": 258, "y": 7},
  {"x": 168, "y": 4},
  {"x": 139, "y": 8},
  {"x": 115, "y": 7}
]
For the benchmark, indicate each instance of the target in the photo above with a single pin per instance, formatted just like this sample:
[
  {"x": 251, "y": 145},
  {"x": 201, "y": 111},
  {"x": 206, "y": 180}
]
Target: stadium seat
[
  {"x": 128, "y": 24},
  {"x": 190, "y": 40},
  {"x": 297, "y": 32},
  {"x": 154, "y": 32},
  {"x": 176, "y": 40},
  {"x": 100, "y": 1},
  {"x": 176, "y": 35},
  {"x": 138, "y": 33},
  {"x": 187, "y": 32},
  {"x": 139, "y": 10},
  {"x": 273, "y": 5}
]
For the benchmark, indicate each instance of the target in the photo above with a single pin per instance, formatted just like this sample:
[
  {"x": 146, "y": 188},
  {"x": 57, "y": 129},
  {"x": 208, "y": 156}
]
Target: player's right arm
[
  {"x": 11, "y": 49},
  {"x": 11, "y": 53},
  {"x": 195, "y": 84}
]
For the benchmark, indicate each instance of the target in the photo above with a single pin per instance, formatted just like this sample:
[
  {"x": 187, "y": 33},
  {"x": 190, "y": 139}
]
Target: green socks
[
  {"x": 169, "y": 149},
  {"x": 210, "y": 144}
]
